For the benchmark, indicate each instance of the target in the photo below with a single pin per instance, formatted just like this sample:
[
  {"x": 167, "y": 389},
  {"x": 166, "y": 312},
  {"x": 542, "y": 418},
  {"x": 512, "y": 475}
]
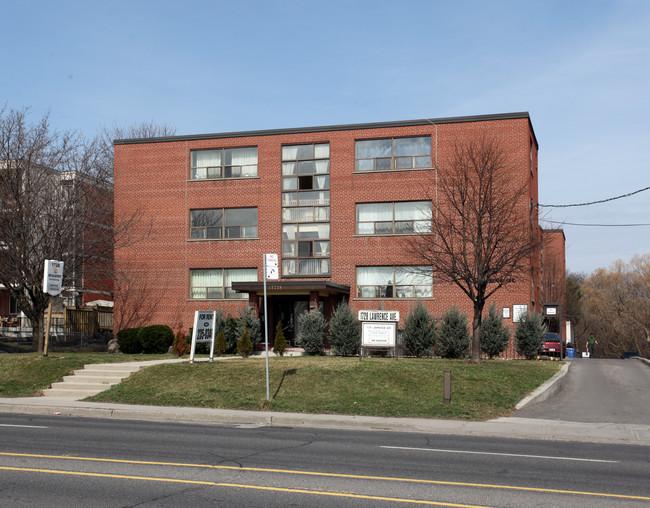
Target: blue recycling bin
[{"x": 570, "y": 352}]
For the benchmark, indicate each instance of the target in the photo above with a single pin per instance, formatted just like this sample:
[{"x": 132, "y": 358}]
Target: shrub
[
  {"x": 280, "y": 342},
  {"x": 252, "y": 322},
  {"x": 312, "y": 332},
  {"x": 345, "y": 331},
  {"x": 494, "y": 336},
  {"x": 180, "y": 346},
  {"x": 156, "y": 339},
  {"x": 529, "y": 334},
  {"x": 129, "y": 340},
  {"x": 419, "y": 334},
  {"x": 453, "y": 340},
  {"x": 244, "y": 344},
  {"x": 220, "y": 343},
  {"x": 233, "y": 328}
]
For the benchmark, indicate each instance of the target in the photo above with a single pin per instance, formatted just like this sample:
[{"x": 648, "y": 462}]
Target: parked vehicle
[{"x": 553, "y": 345}]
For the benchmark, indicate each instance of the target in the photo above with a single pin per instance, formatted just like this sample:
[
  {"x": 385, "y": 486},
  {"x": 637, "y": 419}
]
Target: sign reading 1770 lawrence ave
[
  {"x": 378, "y": 328},
  {"x": 378, "y": 315}
]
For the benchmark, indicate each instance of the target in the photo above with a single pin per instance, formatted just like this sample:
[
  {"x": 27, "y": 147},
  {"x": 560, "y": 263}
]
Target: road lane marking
[
  {"x": 23, "y": 426},
  {"x": 242, "y": 486},
  {"x": 329, "y": 475},
  {"x": 551, "y": 457}
]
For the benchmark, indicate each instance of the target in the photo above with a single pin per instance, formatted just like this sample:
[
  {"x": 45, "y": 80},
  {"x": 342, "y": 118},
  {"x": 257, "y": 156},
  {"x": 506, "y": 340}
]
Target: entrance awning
[{"x": 293, "y": 287}]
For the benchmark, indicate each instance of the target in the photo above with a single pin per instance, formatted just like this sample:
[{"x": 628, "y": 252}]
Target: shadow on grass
[{"x": 286, "y": 373}]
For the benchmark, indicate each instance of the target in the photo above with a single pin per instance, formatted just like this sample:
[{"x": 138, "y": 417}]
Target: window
[
  {"x": 13, "y": 305},
  {"x": 401, "y": 218},
  {"x": 305, "y": 210},
  {"x": 230, "y": 223},
  {"x": 394, "y": 282},
  {"x": 217, "y": 283},
  {"x": 396, "y": 153},
  {"x": 223, "y": 163}
]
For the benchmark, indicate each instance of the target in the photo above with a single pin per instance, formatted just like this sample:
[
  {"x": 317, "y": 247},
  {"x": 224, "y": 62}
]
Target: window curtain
[
  {"x": 206, "y": 158},
  {"x": 240, "y": 275},
  {"x": 413, "y": 275},
  {"x": 206, "y": 278},
  {"x": 368, "y": 212},
  {"x": 374, "y": 275},
  {"x": 412, "y": 146},
  {"x": 241, "y": 156},
  {"x": 413, "y": 210}
]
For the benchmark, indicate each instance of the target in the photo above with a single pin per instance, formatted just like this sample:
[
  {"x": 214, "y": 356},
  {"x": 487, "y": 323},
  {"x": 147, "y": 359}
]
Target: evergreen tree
[
  {"x": 419, "y": 335},
  {"x": 252, "y": 322},
  {"x": 454, "y": 340},
  {"x": 244, "y": 344},
  {"x": 233, "y": 329},
  {"x": 344, "y": 331},
  {"x": 494, "y": 335},
  {"x": 280, "y": 342},
  {"x": 220, "y": 343},
  {"x": 529, "y": 334},
  {"x": 312, "y": 332}
]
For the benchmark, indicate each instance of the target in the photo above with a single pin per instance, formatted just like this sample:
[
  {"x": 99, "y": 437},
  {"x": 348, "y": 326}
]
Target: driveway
[{"x": 599, "y": 391}]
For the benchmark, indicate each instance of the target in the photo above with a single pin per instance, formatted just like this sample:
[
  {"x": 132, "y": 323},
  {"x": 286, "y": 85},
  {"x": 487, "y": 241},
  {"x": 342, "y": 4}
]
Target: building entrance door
[{"x": 288, "y": 309}]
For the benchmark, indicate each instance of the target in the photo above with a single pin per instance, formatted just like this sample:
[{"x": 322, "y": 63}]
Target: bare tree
[
  {"x": 55, "y": 203},
  {"x": 483, "y": 233},
  {"x": 616, "y": 307},
  {"x": 136, "y": 130}
]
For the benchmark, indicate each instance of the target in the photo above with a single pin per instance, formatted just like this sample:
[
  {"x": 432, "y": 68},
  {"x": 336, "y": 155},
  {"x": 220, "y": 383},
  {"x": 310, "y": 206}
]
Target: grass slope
[{"x": 378, "y": 387}]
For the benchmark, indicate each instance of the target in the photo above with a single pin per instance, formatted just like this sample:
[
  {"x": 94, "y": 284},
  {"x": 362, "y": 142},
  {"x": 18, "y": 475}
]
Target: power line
[
  {"x": 596, "y": 225},
  {"x": 595, "y": 202}
]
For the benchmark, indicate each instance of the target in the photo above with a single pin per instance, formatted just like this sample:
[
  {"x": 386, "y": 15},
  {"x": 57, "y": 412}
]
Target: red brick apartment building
[{"x": 335, "y": 203}]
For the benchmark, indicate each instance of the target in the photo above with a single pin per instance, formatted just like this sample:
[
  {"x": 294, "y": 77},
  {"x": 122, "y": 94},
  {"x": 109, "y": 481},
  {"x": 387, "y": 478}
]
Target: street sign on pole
[
  {"x": 52, "y": 285},
  {"x": 272, "y": 272}
]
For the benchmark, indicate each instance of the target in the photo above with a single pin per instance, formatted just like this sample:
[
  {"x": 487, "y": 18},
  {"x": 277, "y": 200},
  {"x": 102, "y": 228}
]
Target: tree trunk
[
  {"x": 37, "y": 334},
  {"x": 476, "y": 333}
]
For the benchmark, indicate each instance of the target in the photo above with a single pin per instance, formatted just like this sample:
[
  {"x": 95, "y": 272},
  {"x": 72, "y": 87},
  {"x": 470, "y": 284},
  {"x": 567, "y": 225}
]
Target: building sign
[
  {"x": 375, "y": 334},
  {"x": 53, "y": 277},
  {"x": 518, "y": 311},
  {"x": 379, "y": 315},
  {"x": 203, "y": 330}
]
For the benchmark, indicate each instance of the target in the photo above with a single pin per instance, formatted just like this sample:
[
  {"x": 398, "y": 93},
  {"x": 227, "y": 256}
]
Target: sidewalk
[{"x": 507, "y": 427}]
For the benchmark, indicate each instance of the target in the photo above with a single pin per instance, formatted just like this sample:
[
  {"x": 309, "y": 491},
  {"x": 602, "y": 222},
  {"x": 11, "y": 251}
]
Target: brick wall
[{"x": 152, "y": 182}]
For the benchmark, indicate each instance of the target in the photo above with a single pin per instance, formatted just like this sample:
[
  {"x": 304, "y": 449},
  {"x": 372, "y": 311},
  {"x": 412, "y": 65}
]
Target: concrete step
[
  {"x": 91, "y": 380},
  {"x": 81, "y": 379}
]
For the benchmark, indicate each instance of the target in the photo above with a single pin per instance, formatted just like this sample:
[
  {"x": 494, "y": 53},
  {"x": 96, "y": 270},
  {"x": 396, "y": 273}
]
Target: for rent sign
[{"x": 203, "y": 331}]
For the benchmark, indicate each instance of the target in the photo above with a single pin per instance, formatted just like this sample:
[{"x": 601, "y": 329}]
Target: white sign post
[
  {"x": 52, "y": 285},
  {"x": 203, "y": 331},
  {"x": 271, "y": 271}
]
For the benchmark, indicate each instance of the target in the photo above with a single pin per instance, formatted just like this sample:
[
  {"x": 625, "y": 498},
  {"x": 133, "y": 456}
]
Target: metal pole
[
  {"x": 47, "y": 329},
  {"x": 266, "y": 330}
]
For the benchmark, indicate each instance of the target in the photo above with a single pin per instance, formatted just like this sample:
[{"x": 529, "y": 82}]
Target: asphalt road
[
  {"x": 69, "y": 461},
  {"x": 599, "y": 391}
]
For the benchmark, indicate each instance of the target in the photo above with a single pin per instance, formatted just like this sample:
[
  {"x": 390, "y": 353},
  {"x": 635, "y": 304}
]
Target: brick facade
[{"x": 152, "y": 181}]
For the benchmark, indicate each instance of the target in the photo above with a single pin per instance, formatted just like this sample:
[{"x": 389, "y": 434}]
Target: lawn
[
  {"x": 377, "y": 386},
  {"x": 24, "y": 375}
]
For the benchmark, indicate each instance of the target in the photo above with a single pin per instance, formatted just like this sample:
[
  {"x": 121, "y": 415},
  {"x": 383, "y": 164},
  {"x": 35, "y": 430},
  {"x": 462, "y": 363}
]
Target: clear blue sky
[{"x": 580, "y": 68}]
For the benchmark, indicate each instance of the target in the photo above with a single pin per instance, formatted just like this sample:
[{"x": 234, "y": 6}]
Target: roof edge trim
[{"x": 330, "y": 128}]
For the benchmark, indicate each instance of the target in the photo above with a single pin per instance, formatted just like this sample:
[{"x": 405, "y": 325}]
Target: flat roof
[{"x": 329, "y": 128}]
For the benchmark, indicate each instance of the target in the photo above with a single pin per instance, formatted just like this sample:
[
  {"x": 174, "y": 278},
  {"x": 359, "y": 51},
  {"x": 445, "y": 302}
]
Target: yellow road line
[
  {"x": 242, "y": 486},
  {"x": 331, "y": 475}
]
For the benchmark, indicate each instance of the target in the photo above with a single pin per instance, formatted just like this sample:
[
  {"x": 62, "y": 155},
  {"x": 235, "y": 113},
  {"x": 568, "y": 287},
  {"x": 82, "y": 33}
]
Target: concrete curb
[
  {"x": 546, "y": 390},
  {"x": 642, "y": 360}
]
